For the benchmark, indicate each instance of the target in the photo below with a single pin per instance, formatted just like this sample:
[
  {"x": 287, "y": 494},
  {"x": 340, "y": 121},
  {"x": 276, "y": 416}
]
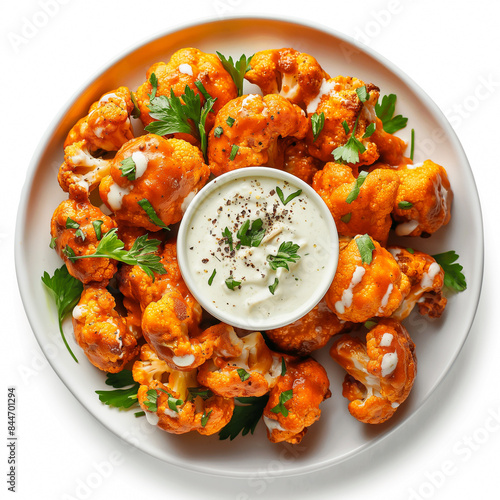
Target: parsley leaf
[
  {"x": 280, "y": 407},
  {"x": 232, "y": 283},
  {"x": 272, "y": 288},
  {"x": 71, "y": 224},
  {"x": 141, "y": 254},
  {"x": 205, "y": 417},
  {"x": 218, "y": 131},
  {"x": 317, "y": 124},
  {"x": 230, "y": 121},
  {"x": 453, "y": 276},
  {"x": 234, "y": 152},
  {"x": 412, "y": 146},
  {"x": 199, "y": 391},
  {"x": 346, "y": 218},
  {"x": 245, "y": 418},
  {"x": 228, "y": 237},
  {"x": 120, "y": 398},
  {"x": 236, "y": 70},
  {"x": 354, "y": 193},
  {"x": 243, "y": 374},
  {"x": 363, "y": 94},
  {"x": 97, "y": 228},
  {"x": 287, "y": 252},
  {"x": 283, "y": 366},
  {"x": 250, "y": 236},
  {"x": 350, "y": 151},
  {"x": 127, "y": 167},
  {"x": 212, "y": 276},
  {"x": 151, "y": 213},
  {"x": 365, "y": 247},
  {"x": 175, "y": 117},
  {"x": 150, "y": 402},
  {"x": 290, "y": 197},
  {"x": 66, "y": 291},
  {"x": 53, "y": 242},
  {"x": 136, "y": 113},
  {"x": 385, "y": 112},
  {"x": 405, "y": 205},
  {"x": 369, "y": 130},
  {"x": 370, "y": 324},
  {"x": 154, "y": 86}
]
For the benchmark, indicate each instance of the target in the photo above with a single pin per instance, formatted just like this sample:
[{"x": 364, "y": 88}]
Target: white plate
[{"x": 337, "y": 435}]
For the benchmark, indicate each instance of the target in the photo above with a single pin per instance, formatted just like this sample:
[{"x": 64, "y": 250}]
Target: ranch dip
[{"x": 258, "y": 248}]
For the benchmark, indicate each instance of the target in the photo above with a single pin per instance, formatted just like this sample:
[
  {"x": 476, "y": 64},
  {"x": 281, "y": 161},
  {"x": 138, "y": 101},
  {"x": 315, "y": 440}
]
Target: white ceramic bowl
[
  {"x": 287, "y": 313},
  {"x": 336, "y": 436}
]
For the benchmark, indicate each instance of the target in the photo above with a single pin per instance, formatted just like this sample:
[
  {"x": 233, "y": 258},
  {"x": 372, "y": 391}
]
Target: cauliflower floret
[
  {"x": 167, "y": 173},
  {"x": 165, "y": 397},
  {"x": 81, "y": 172},
  {"x": 186, "y": 66},
  {"x": 360, "y": 291},
  {"x": 287, "y": 72},
  {"x": 252, "y": 372},
  {"x": 298, "y": 162},
  {"x": 294, "y": 401},
  {"x": 107, "y": 125},
  {"x": 427, "y": 279},
  {"x": 390, "y": 147},
  {"x": 370, "y": 211},
  {"x": 339, "y": 101},
  {"x": 380, "y": 371},
  {"x": 247, "y": 129},
  {"x": 309, "y": 333},
  {"x": 108, "y": 340},
  {"x": 72, "y": 226},
  {"x": 427, "y": 189},
  {"x": 136, "y": 285}
]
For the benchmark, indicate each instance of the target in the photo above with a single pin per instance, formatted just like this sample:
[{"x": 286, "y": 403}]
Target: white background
[{"x": 449, "y": 449}]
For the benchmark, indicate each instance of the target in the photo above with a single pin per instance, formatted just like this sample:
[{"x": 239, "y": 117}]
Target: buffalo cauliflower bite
[
  {"x": 339, "y": 101},
  {"x": 186, "y": 66},
  {"x": 165, "y": 398},
  {"x": 427, "y": 279},
  {"x": 361, "y": 291},
  {"x": 370, "y": 211},
  {"x": 294, "y": 401},
  {"x": 298, "y": 162},
  {"x": 427, "y": 190},
  {"x": 390, "y": 147},
  {"x": 108, "y": 339},
  {"x": 252, "y": 372},
  {"x": 247, "y": 129},
  {"x": 168, "y": 173},
  {"x": 107, "y": 125},
  {"x": 309, "y": 333},
  {"x": 287, "y": 72},
  {"x": 72, "y": 227},
  {"x": 380, "y": 371}
]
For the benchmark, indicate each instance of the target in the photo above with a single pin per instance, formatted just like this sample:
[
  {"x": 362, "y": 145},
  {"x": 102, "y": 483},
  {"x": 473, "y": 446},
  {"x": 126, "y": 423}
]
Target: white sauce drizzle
[
  {"x": 273, "y": 424},
  {"x": 152, "y": 418},
  {"x": 347, "y": 294},
  {"x": 171, "y": 413},
  {"x": 105, "y": 98},
  {"x": 389, "y": 363},
  {"x": 385, "y": 299},
  {"x": 386, "y": 340},
  {"x": 79, "y": 312},
  {"x": 428, "y": 277},
  {"x": 141, "y": 163},
  {"x": 289, "y": 81},
  {"x": 186, "y": 69},
  {"x": 184, "y": 361},
  {"x": 406, "y": 228},
  {"x": 116, "y": 194},
  {"x": 327, "y": 87}
]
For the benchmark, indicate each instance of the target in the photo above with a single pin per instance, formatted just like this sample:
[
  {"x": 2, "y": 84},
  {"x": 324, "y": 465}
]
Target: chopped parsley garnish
[
  {"x": 363, "y": 94},
  {"x": 141, "y": 254},
  {"x": 289, "y": 198},
  {"x": 71, "y": 224},
  {"x": 183, "y": 114},
  {"x": 154, "y": 86},
  {"x": 317, "y": 124},
  {"x": 410, "y": 250},
  {"x": 199, "y": 392},
  {"x": 243, "y": 374},
  {"x": 53, "y": 242},
  {"x": 218, "y": 131},
  {"x": 128, "y": 168},
  {"x": 245, "y": 418},
  {"x": 370, "y": 324},
  {"x": 453, "y": 276},
  {"x": 230, "y": 121},
  {"x": 283, "y": 366},
  {"x": 250, "y": 233},
  {"x": 205, "y": 417},
  {"x": 272, "y": 288},
  {"x": 151, "y": 399},
  {"x": 412, "y": 146},
  {"x": 228, "y": 237},
  {"x": 280, "y": 407},
  {"x": 365, "y": 247},
  {"x": 350, "y": 151},
  {"x": 212, "y": 276},
  {"x": 125, "y": 394},
  {"x": 136, "y": 113},
  {"x": 354, "y": 193},
  {"x": 151, "y": 213},
  {"x": 232, "y": 283},
  {"x": 97, "y": 228},
  {"x": 369, "y": 130},
  {"x": 405, "y": 205},
  {"x": 385, "y": 112},
  {"x": 287, "y": 252},
  {"x": 236, "y": 70},
  {"x": 66, "y": 291},
  {"x": 234, "y": 151},
  {"x": 346, "y": 218}
]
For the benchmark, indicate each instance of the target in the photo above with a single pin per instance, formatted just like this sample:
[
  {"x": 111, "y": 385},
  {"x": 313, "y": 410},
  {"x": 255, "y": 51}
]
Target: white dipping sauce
[{"x": 213, "y": 261}]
